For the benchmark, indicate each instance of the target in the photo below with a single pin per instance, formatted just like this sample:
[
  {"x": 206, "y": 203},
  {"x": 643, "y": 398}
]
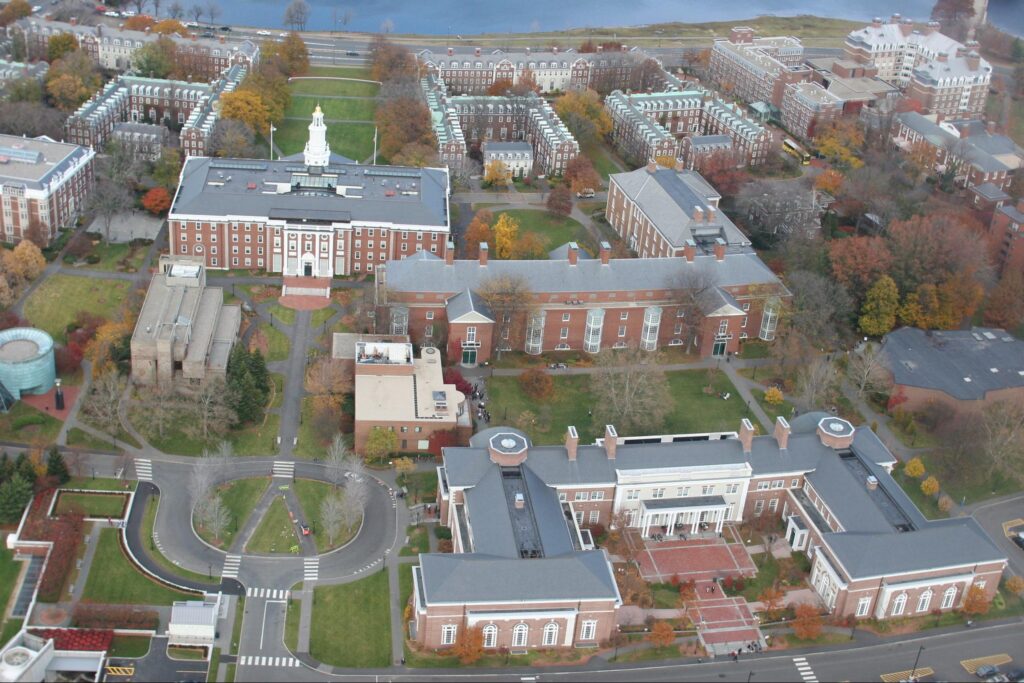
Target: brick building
[
  {"x": 979, "y": 156},
  {"x": 14, "y": 71},
  {"x": 757, "y": 69},
  {"x": 114, "y": 48},
  {"x": 396, "y": 391},
  {"x": 806, "y": 107},
  {"x": 1006, "y": 237},
  {"x": 472, "y": 71},
  {"x": 583, "y": 304},
  {"x": 965, "y": 369},
  {"x": 944, "y": 75},
  {"x": 312, "y": 215},
  {"x": 474, "y": 121},
  {"x": 193, "y": 106},
  {"x": 517, "y": 157},
  {"x": 518, "y": 515},
  {"x": 42, "y": 183}
]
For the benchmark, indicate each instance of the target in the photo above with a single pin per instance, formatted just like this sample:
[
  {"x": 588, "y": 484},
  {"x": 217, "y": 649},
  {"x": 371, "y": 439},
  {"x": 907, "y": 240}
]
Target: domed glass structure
[{"x": 26, "y": 363}]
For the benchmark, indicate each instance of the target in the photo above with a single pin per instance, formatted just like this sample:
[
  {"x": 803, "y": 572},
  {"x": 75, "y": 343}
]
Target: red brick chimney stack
[
  {"x": 719, "y": 249},
  {"x": 698, "y": 214},
  {"x": 483, "y": 253},
  {"x": 747, "y": 435},
  {"x": 652, "y": 166},
  {"x": 606, "y": 253},
  {"x": 574, "y": 253},
  {"x": 782, "y": 432},
  {"x": 572, "y": 442},
  {"x": 611, "y": 441},
  {"x": 451, "y": 51},
  {"x": 690, "y": 251},
  {"x": 449, "y": 253}
]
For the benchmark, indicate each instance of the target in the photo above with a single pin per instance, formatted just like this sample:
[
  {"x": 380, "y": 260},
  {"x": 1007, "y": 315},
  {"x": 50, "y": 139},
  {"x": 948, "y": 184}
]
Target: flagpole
[
  {"x": 272, "y": 129},
  {"x": 375, "y": 145}
]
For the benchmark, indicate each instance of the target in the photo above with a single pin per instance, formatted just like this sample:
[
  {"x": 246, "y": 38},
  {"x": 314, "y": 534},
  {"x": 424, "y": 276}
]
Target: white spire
[{"x": 317, "y": 152}]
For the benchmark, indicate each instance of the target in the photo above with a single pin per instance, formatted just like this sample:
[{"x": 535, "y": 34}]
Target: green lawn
[
  {"x": 278, "y": 396},
  {"x": 78, "y": 438},
  {"x": 341, "y": 71},
  {"x": 344, "y": 110},
  {"x": 25, "y": 424},
  {"x": 239, "y": 497},
  {"x": 92, "y": 504},
  {"x": 277, "y": 343},
  {"x": 601, "y": 157},
  {"x": 10, "y": 629},
  {"x": 785, "y": 409},
  {"x": 928, "y": 505},
  {"x": 419, "y": 541},
  {"x": 148, "y": 523},
  {"x": 118, "y": 257},
  {"x": 422, "y": 486},
  {"x": 968, "y": 484},
  {"x": 553, "y": 230},
  {"x": 754, "y": 349},
  {"x": 275, "y": 533},
  {"x": 666, "y": 596},
  {"x": 129, "y": 646},
  {"x": 9, "y": 570},
  {"x": 404, "y": 585},
  {"x": 113, "y": 579},
  {"x": 99, "y": 484},
  {"x": 353, "y": 140},
  {"x": 695, "y": 411},
  {"x": 259, "y": 439},
  {"x": 339, "y": 88},
  {"x": 311, "y": 494},
  {"x": 321, "y": 316},
  {"x": 189, "y": 653},
  {"x": 55, "y": 304},
  {"x": 352, "y": 624},
  {"x": 281, "y": 313},
  {"x": 236, "y": 628}
]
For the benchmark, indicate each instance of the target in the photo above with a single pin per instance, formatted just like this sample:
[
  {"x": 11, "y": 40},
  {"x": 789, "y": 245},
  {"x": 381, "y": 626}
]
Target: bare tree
[
  {"x": 357, "y": 492},
  {"x": 634, "y": 391},
  {"x": 196, "y": 11},
  {"x": 337, "y": 461},
  {"x": 105, "y": 402},
  {"x": 217, "y": 517},
  {"x": 297, "y": 14},
  {"x": 156, "y": 8},
  {"x": 387, "y": 26},
  {"x": 333, "y": 516},
  {"x": 161, "y": 404},
  {"x": 510, "y": 299},
  {"x": 694, "y": 290},
  {"x": 140, "y": 5},
  {"x": 212, "y": 10},
  {"x": 109, "y": 199},
  {"x": 815, "y": 381},
  {"x": 210, "y": 409},
  {"x": 867, "y": 370},
  {"x": 176, "y": 10},
  {"x": 329, "y": 379},
  {"x": 200, "y": 484},
  {"x": 820, "y": 308},
  {"x": 1002, "y": 431}
]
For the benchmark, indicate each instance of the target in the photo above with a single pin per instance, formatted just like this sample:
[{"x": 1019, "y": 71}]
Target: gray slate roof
[
  {"x": 480, "y": 578},
  {"x": 381, "y": 195},
  {"x": 668, "y": 198},
  {"x": 466, "y": 302},
  {"x": 980, "y": 148},
  {"x": 944, "y": 360},
  {"x": 34, "y": 163}
]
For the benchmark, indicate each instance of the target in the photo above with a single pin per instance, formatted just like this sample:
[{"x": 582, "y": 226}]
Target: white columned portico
[{"x": 693, "y": 511}]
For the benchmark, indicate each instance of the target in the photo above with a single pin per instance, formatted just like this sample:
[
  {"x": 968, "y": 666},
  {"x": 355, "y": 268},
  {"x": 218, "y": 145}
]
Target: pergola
[{"x": 692, "y": 511}]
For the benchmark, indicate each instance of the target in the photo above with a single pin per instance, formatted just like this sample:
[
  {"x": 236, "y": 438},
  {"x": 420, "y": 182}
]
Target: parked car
[
  {"x": 225, "y": 28},
  {"x": 128, "y": 13},
  {"x": 191, "y": 24},
  {"x": 557, "y": 366},
  {"x": 1015, "y": 675},
  {"x": 37, "y": 8},
  {"x": 112, "y": 13},
  {"x": 282, "y": 34},
  {"x": 1018, "y": 538},
  {"x": 585, "y": 193},
  {"x": 351, "y": 53},
  {"x": 986, "y": 670},
  {"x": 264, "y": 32},
  {"x": 207, "y": 34}
]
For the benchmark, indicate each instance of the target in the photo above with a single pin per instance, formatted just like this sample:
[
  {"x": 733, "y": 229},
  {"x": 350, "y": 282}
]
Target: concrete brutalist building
[{"x": 185, "y": 331}]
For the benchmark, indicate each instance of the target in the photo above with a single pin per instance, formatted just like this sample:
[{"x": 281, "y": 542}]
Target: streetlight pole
[
  {"x": 916, "y": 660},
  {"x": 272, "y": 129}
]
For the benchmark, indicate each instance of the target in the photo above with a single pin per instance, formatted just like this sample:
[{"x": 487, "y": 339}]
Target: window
[
  {"x": 794, "y": 484},
  {"x": 563, "y": 333},
  {"x": 924, "y": 600},
  {"x": 490, "y": 635},
  {"x": 565, "y": 317},
  {"x": 732, "y": 488},
  {"x": 597, "y": 495},
  {"x": 763, "y": 485},
  {"x": 550, "y": 634},
  {"x": 862, "y": 606},
  {"x": 595, "y": 516},
  {"x": 622, "y": 330},
  {"x": 949, "y": 597},
  {"x": 471, "y": 334},
  {"x": 773, "y": 505},
  {"x": 582, "y": 495},
  {"x": 562, "y": 497},
  {"x": 519, "y": 634},
  {"x": 448, "y": 634},
  {"x": 430, "y": 315},
  {"x": 658, "y": 493},
  {"x": 899, "y": 604},
  {"x": 778, "y": 483},
  {"x": 624, "y": 315},
  {"x": 588, "y": 629},
  {"x": 707, "y": 489},
  {"x": 632, "y": 494},
  {"x": 758, "y": 507}
]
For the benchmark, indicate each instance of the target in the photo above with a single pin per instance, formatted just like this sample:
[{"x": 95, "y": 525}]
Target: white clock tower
[{"x": 317, "y": 152}]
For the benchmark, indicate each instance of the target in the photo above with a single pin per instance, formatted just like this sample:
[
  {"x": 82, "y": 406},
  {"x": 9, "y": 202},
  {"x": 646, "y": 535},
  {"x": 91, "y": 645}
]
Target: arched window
[
  {"x": 949, "y": 597},
  {"x": 550, "y": 634},
  {"x": 519, "y": 634},
  {"x": 899, "y": 604},
  {"x": 924, "y": 600},
  {"x": 490, "y": 635},
  {"x": 199, "y": 249}
]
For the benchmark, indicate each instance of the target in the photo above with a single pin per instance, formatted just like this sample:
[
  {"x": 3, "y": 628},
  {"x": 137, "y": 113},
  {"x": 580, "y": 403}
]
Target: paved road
[{"x": 991, "y": 516}]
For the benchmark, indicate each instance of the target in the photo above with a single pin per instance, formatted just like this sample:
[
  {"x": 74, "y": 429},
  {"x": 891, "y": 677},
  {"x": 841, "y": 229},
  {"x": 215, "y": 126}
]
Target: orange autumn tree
[
  {"x": 771, "y": 598},
  {"x": 976, "y": 601},
  {"x": 469, "y": 646},
  {"x": 479, "y": 230},
  {"x": 108, "y": 335},
  {"x": 661, "y": 635},
  {"x": 807, "y": 625},
  {"x": 156, "y": 201},
  {"x": 830, "y": 181}
]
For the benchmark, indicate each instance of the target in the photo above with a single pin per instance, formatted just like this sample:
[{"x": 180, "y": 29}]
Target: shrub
[
  {"x": 28, "y": 420},
  {"x": 945, "y": 503},
  {"x": 443, "y": 533},
  {"x": 930, "y": 486},
  {"x": 537, "y": 384},
  {"x": 113, "y": 616},
  {"x": 914, "y": 468},
  {"x": 445, "y": 546},
  {"x": 1015, "y": 585},
  {"x": 773, "y": 396},
  {"x": 92, "y": 259}
]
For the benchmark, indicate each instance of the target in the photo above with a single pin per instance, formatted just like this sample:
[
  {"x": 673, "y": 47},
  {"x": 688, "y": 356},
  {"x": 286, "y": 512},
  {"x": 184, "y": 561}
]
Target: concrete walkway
[
  {"x": 254, "y": 519},
  {"x": 294, "y": 382}
]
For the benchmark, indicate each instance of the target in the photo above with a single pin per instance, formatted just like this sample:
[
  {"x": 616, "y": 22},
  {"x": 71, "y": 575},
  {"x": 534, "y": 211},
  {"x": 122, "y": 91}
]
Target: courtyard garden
[
  {"x": 110, "y": 505},
  {"x": 553, "y": 231},
  {"x": 58, "y": 301}
]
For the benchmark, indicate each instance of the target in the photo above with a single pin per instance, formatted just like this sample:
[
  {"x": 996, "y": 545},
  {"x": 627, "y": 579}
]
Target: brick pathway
[{"x": 698, "y": 559}]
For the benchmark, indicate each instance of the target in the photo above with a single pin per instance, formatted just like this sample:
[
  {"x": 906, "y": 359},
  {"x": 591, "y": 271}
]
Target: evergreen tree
[
  {"x": 248, "y": 384},
  {"x": 15, "y": 493},
  {"x": 6, "y": 467},
  {"x": 25, "y": 468},
  {"x": 56, "y": 467}
]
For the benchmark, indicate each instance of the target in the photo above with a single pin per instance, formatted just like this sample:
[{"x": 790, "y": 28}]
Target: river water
[{"x": 466, "y": 17}]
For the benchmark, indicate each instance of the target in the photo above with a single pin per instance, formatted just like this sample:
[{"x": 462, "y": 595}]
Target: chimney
[
  {"x": 990, "y": 127},
  {"x": 871, "y": 482},
  {"x": 449, "y": 253},
  {"x": 606, "y": 253},
  {"x": 572, "y": 441},
  {"x": 600, "y": 48},
  {"x": 483, "y": 253},
  {"x": 782, "y": 432},
  {"x": 73, "y": 21},
  {"x": 907, "y": 26},
  {"x": 527, "y": 51},
  {"x": 746, "y": 435},
  {"x": 574, "y": 253},
  {"x": 698, "y": 214},
  {"x": 719, "y": 249},
  {"x": 451, "y": 51},
  {"x": 895, "y": 19},
  {"x": 710, "y": 214},
  {"x": 554, "y": 49},
  {"x": 193, "y": 36},
  {"x": 652, "y": 166},
  {"x": 624, "y": 47},
  {"x": 690, "y": 251},
  {"x": 942, "y": 57},
  {"x": 876, "y": 22},
  {"x": 476, "y": 51},
  {"x": 939, "y": 117},
  {"x": 973, "y": 60},
  {"x": 961, "y": 51},
  {"x": 221, "y": 38},
  {"x": 611, "y": 441}
]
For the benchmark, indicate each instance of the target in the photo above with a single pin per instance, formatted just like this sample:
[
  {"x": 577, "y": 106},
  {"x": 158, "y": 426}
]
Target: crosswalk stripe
[
  {"x": 283, "y": 469},
  {"x": 295, "y": 662},
  {"x": 232, "y": 564}
]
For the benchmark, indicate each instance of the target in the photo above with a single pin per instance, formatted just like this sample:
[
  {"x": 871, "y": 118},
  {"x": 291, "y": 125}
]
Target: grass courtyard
[
  {"x": 345, "y": 110},
  {"x": 553, "y": 230},
  {"x": 92, "y": 504},
  {"x": 114, "y": 580},
  {"x": 54, "y": 305},
  {"x": 275, "y": 533},
  {"x": 9, "y": 570},
  {"x": 692, "y": 410},
  {"x": 114, "y": 258},
  {"x": 311, "y": 495},
  {"x": 239, "y": 497},
  {"x": 353, "y": 140},
  {"x": 24, "y": 424},
  {"x": 352, "y": 624}
]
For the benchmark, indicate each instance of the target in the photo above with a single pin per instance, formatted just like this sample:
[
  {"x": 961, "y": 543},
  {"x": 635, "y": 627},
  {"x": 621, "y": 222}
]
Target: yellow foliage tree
[
  {"x": 914, "y": 468},
  {"x": 839, "y": 142},
  {"x": 506, "y": 234},
  {"x": 930, "y": 486},
  {"x": 168, "y": 26},
  {"x": 25, "y": 262},
  {"x": 496, "y": 173},
  {"x": 248, "y": 107},
  {"x": 1015, "y": 585},
  {"x": 107, "y": 336},
  {"x": 665, "y": 161},
  {"x": 586, "y": 104},
  {"x": 976, "y": 601},
  {"x": 773, "y": 396}
]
